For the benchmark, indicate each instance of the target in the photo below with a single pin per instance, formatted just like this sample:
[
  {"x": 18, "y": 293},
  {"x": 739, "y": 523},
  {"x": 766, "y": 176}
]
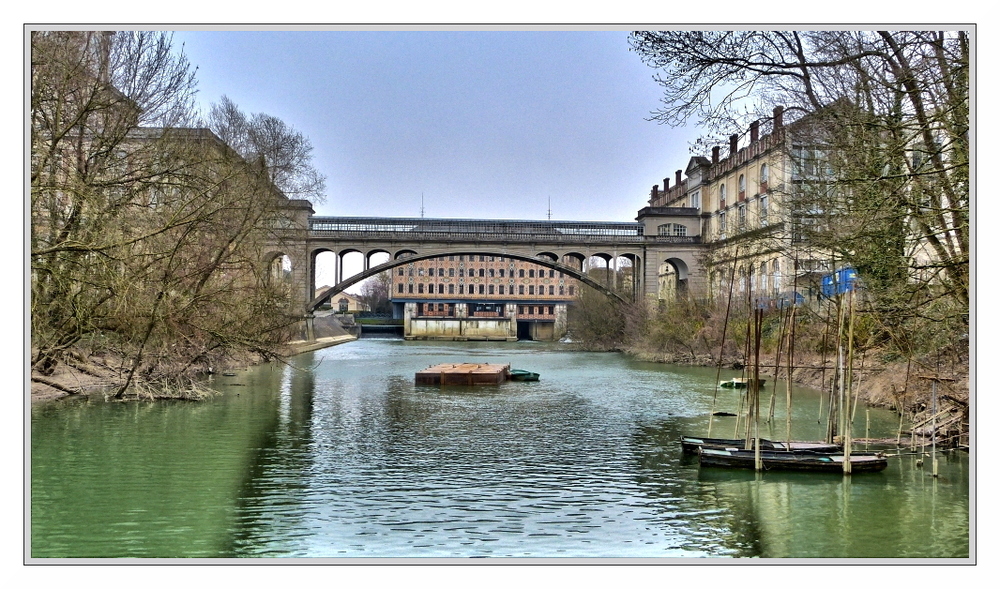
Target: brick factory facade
[{"x": 478, "y": 297}]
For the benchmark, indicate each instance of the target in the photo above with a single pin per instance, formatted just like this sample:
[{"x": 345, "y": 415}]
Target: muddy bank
[
  {"x": 96, "y": 375},
  {"x": 902, "y": 387}
]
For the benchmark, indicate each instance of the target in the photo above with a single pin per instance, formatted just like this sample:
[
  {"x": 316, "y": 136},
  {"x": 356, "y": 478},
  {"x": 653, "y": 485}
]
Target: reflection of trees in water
[
  {"x": 900, "y": 513},
  {"x": 715, "y": 520},
  {"x": 285, "y": 399}
]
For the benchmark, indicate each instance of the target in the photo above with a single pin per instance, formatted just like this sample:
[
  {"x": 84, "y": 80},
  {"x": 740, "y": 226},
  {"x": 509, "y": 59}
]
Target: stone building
[
  {"x": 478, "y": 297},
  {"x": 745, "y": 202}
]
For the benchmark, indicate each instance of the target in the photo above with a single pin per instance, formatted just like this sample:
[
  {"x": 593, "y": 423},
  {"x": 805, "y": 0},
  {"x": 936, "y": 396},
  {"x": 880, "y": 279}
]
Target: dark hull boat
[
  {"x": 523, "y": 375},
  {"x": 692, "y": 445},
  {"x": 801, "y": 460}
]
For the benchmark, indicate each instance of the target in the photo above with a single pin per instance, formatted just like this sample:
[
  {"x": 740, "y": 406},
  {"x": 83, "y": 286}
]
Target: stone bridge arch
[{"x": 400, "y": 260}]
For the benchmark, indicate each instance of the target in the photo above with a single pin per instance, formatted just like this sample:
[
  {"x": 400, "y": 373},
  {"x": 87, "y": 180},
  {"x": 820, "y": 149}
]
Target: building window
[
  {"x": 482, "y": 258},
  {"x": 501, "y": 272},
  {"x": 722, "y": 223},
  {"x": 552, "y": 289},
  {"x": 411, "y": 289},
  {"x": 461, "y": 289},
  {"x": 399, "y": 288},
  {"x": 520, "y": 273},
  {"x": 562, "y": 290},
  {"x": 765, "y": 175},
  {"x": 492, "y": 273},
  {"x": 482, "y": 288},
  {"x": 440, "y": 289},
  {"x": 571, "y": 289},
  {"x": 741, "y": 216},
  {"x": 451, "y": 271},
  {"x": 501, "y": 289},
  {"x": 482, "y": 272},
  {"x": 461, "y": 271},
  {"x": 552, "y": 273},
  {"x": 420, "y": 271},
  {"x": 695, "y": 200},
  {"x": 451, "y": 289},
  {"x": 420, "y": 288},
  {"x": 722, "y": 196},
  {"x": 400, "y": 271},
  {"x": 776, "y": 276},
  {"x": 491, "y": 289},
  {"x": 743, "y": 186},
  {"x": 520, "y": 289},
  {"x": 531, "y": 273},
  {"x": 531, "y": 289},
  {"x": 763, "y": 210}
]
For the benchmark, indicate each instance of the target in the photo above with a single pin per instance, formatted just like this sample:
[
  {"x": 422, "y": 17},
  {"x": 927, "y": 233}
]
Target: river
[{"x": 340, "y": 455}]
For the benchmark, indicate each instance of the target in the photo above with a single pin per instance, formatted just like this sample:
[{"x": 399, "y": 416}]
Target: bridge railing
[{"x": 475, "y": 230}]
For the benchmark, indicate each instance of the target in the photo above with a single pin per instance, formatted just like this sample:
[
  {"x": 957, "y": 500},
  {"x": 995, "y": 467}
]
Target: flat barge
[{"x": 464, "y": 374}]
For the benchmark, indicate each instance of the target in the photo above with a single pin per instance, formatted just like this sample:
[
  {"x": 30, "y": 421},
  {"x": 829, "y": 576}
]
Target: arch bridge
[{"x": 560, "y": 245}]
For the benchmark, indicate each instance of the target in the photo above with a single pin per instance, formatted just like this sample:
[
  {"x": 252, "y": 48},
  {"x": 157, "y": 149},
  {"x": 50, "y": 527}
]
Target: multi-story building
[
  {"x": 470, "y": 297},
  {"x": 745, "y": 204}
]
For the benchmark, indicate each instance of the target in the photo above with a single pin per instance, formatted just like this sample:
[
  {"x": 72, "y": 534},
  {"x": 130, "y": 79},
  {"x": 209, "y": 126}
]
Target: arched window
[
  {"x": 722, "y": 196},
  {"x": 743, "y": 186},
  {"x": 765, "y": 174}
]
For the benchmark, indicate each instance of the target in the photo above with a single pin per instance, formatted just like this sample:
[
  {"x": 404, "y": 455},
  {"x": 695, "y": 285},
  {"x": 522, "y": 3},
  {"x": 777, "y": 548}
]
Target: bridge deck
[{"x": 475, "y": 229}]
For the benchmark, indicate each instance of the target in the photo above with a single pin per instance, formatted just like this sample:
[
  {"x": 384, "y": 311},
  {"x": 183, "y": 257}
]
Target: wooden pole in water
[
  {"x": 788, "y": 383},
  {"x": 722, "y": 346},
  {"x": 777, "y": 364},
  {"x": 759, "y": 320},
  {"x": 850, "y": 378},
  {"x": 934, "y": 410}
]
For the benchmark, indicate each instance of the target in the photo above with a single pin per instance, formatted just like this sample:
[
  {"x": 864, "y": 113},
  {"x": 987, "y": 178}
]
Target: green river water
[{"x": 340, "y": 455}]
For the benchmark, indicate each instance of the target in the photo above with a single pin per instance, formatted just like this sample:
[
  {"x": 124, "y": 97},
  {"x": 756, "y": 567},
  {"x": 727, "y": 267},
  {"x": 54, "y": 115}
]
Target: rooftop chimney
[
  {"x": 733, "y": 139},
  {"x": 655, "y": 191},
  {"x": 678, "y": 177},
  {"x": 778, "y": 112},
  {"x": 715, "y": 154},
  {"x": 754, "y": 131},
  {"x": 666, "y": 185}
]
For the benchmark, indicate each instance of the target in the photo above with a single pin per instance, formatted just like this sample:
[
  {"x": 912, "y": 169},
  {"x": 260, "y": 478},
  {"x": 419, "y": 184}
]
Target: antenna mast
[{"x": 421, "y": 205}]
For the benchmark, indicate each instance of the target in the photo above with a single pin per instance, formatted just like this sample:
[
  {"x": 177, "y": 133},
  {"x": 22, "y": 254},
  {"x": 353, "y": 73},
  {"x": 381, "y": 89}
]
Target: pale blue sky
[{"x": 483, "y": 124}]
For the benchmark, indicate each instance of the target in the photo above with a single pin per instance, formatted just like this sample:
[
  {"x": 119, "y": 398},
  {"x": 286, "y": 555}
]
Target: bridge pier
[{"x": 310, "y": 327}]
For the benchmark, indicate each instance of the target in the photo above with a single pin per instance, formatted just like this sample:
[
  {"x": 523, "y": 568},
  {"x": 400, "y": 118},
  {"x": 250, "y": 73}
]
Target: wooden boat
[
  {"x": 692, "y": 445},
  {"x": 802, "y": 460},
  {"x": 523, "y": 375},
  {"x": 739, "y": 383}
]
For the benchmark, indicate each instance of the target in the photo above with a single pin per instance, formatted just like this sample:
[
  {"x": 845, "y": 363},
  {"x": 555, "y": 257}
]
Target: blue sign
[{"x": 841, "y": 281}]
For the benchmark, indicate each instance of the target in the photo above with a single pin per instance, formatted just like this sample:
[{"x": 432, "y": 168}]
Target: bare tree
[
  {"x": 286, "y": 153},
  {"x": 375, "y": 293},
  {"x": 146, "y": 240},
  {"x": 881, "y": 146}
]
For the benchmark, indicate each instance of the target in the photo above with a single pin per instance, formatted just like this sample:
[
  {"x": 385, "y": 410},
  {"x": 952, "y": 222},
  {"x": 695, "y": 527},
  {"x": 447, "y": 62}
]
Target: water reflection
[{"x": 341, "y": 455}]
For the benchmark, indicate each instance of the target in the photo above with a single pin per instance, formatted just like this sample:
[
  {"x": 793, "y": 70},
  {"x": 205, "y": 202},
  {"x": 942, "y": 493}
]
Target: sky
[{"x": 475, "y": 124}]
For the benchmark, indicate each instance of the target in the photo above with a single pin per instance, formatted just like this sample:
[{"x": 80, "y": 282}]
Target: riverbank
[
  {"x": 95, "y": 374},
  {"x": 902, "y": 387}
]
